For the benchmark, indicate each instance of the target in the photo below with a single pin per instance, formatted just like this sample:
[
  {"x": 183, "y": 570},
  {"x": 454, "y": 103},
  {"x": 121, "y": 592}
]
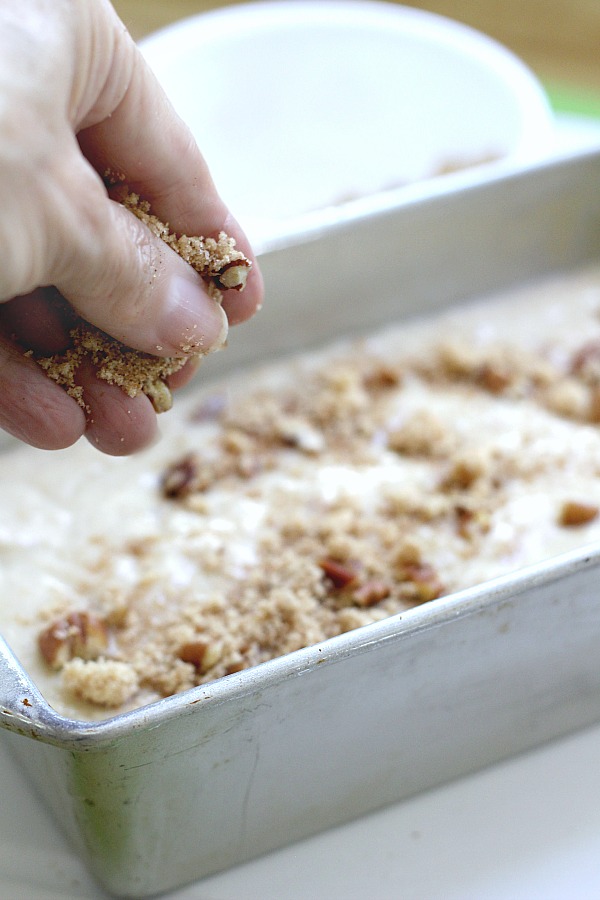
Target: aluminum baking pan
[{"x": 203, "y": 780}]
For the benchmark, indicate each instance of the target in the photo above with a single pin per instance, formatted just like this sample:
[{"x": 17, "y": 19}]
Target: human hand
[{"x": 76, "y": 100}]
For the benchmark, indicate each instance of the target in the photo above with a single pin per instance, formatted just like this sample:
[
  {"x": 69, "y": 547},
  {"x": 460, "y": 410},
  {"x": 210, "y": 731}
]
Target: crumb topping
[
  {"x": 133, "y": 371},
  {"x": 368, "y": 490},
  {"x": 217, "y": 260},
  {"x": 221, "y": 265},
  {"x": 314, "y": 496}
]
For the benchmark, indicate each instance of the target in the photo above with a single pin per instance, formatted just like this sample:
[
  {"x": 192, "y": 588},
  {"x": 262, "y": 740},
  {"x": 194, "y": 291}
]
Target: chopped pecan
[
  {"x": 79, "y": 634},
  {"x": 469, "y": 521},
  {"x": 424, "y": 582},
  {"x": 202, "y": 655},
  {"x": 179, "y": 479},
  {"x": 382, "y": 377},
  {"x": 493, "y": 378},
  {"x": 235, "y": 667},
  {"x": 574, "y": 513},
  {"x": 371, "y": 592},
  {"x": 340, "y": 574},
  {"x": 233, "y": 276},
  {"x": 464, "y": 471},
  {"x": 296, "y": 431},
  {"x": 159, "y": 395}
]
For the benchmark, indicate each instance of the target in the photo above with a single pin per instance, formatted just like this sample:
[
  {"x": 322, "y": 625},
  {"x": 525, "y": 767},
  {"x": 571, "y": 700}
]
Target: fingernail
[{"x": 193, "y": 321}]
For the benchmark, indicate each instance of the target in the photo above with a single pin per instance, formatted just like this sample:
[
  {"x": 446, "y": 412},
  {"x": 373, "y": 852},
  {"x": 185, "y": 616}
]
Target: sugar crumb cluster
[{"x": 218, "y": 262}]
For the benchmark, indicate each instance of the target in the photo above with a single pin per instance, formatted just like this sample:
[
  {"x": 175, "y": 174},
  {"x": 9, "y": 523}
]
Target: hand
[{"x": 76, "y": 100}]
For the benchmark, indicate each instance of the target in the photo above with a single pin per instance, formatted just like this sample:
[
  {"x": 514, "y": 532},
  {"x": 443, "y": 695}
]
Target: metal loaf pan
[{"x": 198, "y": 782}]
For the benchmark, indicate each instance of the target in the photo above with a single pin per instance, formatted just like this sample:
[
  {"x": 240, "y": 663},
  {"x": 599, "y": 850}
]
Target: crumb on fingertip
[
  {"x": 219, "y": 263},
  {"x": 217, "y": 260}
]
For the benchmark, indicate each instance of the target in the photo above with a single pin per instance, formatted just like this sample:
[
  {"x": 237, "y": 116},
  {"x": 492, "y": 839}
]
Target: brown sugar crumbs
[
  {"x": 339, "y": 494},
  {"x": 221, "y": 265}
]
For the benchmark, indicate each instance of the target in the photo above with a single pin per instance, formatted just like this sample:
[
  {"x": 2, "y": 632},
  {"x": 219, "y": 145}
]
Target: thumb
[{"x": 122, "y": 278}]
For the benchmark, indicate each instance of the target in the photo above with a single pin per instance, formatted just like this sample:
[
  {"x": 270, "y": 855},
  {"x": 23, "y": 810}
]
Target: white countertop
[{"x": 526, "y": 829}]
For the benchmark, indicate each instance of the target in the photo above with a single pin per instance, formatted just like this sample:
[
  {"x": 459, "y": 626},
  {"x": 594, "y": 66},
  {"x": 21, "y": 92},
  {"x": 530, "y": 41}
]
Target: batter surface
[{"x": 307, "y": 498}]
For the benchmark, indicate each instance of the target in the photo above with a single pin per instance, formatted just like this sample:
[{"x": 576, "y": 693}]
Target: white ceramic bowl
[{"x": 311, "y": 111}]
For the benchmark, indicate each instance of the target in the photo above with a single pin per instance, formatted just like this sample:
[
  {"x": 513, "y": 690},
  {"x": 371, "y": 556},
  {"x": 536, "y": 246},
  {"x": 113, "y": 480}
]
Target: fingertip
[
  {"x": 43, "y": 435},
  {"x": 116, "y": 442},
  {"x": 53, "y": 430},
  {"x": 190, "y": 320},
  {"x": 33, "y": 408},
  {"x": 119, "y": 425},
  {"x": 180, "y": 378},
  {"x": 63, "y": 433},
  {"x": 239, "y": 306},
  {"x": 242, "y": 305}
]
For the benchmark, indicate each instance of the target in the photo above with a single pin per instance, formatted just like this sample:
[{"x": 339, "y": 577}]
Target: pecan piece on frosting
[{"x": 79, "y": 634}]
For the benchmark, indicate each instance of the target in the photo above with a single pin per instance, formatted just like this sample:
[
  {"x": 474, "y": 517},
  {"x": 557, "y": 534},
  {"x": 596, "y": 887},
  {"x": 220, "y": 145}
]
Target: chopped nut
[
  {"x": 200, "y": 654},
  {"x": 574, "y": 513},
  {"x": 193, "y": 652},
  {"x": 217, "y": 261},
  {"x": 234, "y": 275},
  {"x": 297, "y": 432},
  {"x": 382, "y": 377},
  {"x": 371, "y": 592},
  {"x": 464, "y": 471},
  {"x": 424, "y": 581},
  {"x": 80, "y": 634},
  {"x": 179, "y": 479},
  {"x": 493, "y": 378},
  {"x": 469, "y": 522},
  {"x": 235, "y": 667},
  {"x": 340, "y": 574},
  {"x": 159, "y": 395}
]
